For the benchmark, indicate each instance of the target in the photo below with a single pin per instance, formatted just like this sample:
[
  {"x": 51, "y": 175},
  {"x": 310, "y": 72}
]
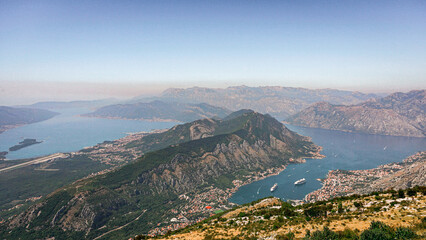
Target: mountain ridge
[
  {"x": 399, "y": 114},
  {"x": 161, "y": 111},
  {"x": 11, "y": 117},
  {"x": 169, "y": 181},
  {"x": 280, "y": 102}
]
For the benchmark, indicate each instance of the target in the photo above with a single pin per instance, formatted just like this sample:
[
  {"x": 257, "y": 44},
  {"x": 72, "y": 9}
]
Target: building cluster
[{"x": 343, "y": 182}]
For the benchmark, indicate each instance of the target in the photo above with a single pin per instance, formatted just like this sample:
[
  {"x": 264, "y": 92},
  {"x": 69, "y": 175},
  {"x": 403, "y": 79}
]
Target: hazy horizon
[
  {"x": 62, "y": 50},
  {"x": 25, "y": 93}
]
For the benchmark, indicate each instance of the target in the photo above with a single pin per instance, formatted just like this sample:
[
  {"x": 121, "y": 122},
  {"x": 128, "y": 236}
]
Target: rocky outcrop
[{"x": 398, "y": 114}]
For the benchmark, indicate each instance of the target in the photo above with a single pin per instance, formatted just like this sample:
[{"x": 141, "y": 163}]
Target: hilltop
[
  {"x": 385, "y": 215},
  {"x": 399, "y": 114},
  {"x": 182, "y": 171}
]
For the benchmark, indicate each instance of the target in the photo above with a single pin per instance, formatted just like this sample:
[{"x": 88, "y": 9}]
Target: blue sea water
[
  {"x": 349, "y": 151},
  {"x": 68, "y": 132}
]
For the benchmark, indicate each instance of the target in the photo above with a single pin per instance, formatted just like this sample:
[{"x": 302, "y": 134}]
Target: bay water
[
  {"x": 343, "y": 150},
  {"x": 69, "y": 132}
]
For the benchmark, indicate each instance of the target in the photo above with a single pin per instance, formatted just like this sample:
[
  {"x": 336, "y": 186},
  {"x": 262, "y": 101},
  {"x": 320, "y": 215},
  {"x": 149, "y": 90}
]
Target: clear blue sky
[{"x": 360, "y": 45}]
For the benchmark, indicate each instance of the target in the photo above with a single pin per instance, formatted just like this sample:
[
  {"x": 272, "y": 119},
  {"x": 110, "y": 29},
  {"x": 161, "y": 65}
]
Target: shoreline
[
  {"x": 347, "y": 182},
  {"x": 351, "y": 131},
  {"x": 224, "y": 195},
  {"x": 133, "y": 119},
  {"x": 5, "y": 128}
]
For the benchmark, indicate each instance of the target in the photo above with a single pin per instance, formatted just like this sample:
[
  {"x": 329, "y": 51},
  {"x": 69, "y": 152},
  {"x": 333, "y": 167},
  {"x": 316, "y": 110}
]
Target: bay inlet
[{"x": 343, "y": 150}]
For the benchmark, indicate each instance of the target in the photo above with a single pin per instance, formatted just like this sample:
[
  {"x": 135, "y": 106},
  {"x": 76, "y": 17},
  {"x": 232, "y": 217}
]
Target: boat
[
  {"x": 300, "y": 181},
  {"x": 273, "y": 188}
]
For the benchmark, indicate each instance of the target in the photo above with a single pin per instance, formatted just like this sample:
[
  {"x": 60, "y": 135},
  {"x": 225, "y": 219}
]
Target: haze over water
[
  {"x": 349, "y": 151},
  {"x": 68, "y": 132}
]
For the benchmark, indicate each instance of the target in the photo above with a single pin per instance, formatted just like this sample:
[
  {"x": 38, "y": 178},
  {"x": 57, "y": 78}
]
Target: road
[
  {"x": 35, "y": 161},
  {"x": 118, "y": 228}
]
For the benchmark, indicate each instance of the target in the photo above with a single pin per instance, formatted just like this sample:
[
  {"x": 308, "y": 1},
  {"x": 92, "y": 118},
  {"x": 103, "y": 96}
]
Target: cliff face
[
  {"x": 211, "y": 155},
  {"x": 400, "y": 114}
]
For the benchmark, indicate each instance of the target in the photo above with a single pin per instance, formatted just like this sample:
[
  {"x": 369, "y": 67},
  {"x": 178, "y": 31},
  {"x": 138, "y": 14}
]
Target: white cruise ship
[
  {"x": 300, "y": 181},
  {"x": 274, "y": 187}
]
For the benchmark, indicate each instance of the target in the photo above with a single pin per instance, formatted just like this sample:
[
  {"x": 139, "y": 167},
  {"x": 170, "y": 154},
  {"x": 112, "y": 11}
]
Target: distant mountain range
[
  {"x": 280, "y": 102},
  {"x": 73, "y": 104},
  {"x": 158, "y": 110},
  {"x": 197, "y": 164},
  {"x": 399, "y": 114},
  {"x": 11, "y": 117}
]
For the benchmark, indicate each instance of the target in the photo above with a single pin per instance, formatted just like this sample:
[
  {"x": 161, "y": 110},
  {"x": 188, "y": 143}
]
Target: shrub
[
  {"x": 401, "y": 193},
  {"x": 340, "y": 208},
  {"x": 357, "y": 204},
  {"x": 404, "y": 233},
  {"x": 377, "y": 231},
  {"x": 411, "y": 192},
  {"x": 348, "y": 234},
  {"x": 288, "y": 236}
]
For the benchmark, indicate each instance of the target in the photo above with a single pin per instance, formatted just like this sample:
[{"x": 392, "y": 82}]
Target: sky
[{"x": 92, "y": 49}]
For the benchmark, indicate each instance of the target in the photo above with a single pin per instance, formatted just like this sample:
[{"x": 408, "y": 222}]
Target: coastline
[
  {"x": 137, "y": 119},
  {"x": 346, "y": 182},
  {"x": 221, "y": 197},
  {"x": 352, "y": 131},
  {"x": 5, "y": 128}
]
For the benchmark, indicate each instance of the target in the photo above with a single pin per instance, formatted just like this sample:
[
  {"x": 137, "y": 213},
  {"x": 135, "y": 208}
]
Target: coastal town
[
  {"x": 115, "y": 152},
  {"x": 344, "y": 182},
  {"x": 213, "y": 200}
]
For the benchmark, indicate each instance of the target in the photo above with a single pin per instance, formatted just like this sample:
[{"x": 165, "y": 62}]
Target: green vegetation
[
  {"x": 144, "y": 194},
  {"x": 31, "y": 181},
  {"x": 318, "y": 220}
]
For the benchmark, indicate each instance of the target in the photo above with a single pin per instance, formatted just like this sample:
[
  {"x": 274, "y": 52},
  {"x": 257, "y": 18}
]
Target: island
[
  {"x": 3, "y": 155},
  {"x": 27, "y": 142}
]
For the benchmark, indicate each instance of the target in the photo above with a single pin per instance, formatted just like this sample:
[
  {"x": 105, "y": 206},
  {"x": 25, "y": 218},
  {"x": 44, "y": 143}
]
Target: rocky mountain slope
[
  {"x": 158, "y": 110},
  {"x": 280, "y": 102},
  {"x": 399, "y": 114},
  {"x": 385, "y": 215},
  {"x": 412, "y": 173},
  {"x": 408, "y": 173},
  {"x": 11, "y": 116},
  {"x": 210, "y": 159}
]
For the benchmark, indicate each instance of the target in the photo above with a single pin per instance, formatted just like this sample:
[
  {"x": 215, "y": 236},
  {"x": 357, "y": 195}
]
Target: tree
[
  {"x": 377, "y": 231},
  {"x": 411, "y": 192},
  {"x": 340, "y": 208},
  {"x": 401, "y": 193}
]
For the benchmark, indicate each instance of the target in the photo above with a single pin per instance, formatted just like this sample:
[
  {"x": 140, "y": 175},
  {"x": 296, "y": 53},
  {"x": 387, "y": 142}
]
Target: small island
[{"x": 27, "y": 142}]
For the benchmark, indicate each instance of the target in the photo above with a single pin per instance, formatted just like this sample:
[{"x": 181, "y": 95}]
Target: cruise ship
[
  {"x": 274, "y": 187},
  {"x": 300, "y": 181}
]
